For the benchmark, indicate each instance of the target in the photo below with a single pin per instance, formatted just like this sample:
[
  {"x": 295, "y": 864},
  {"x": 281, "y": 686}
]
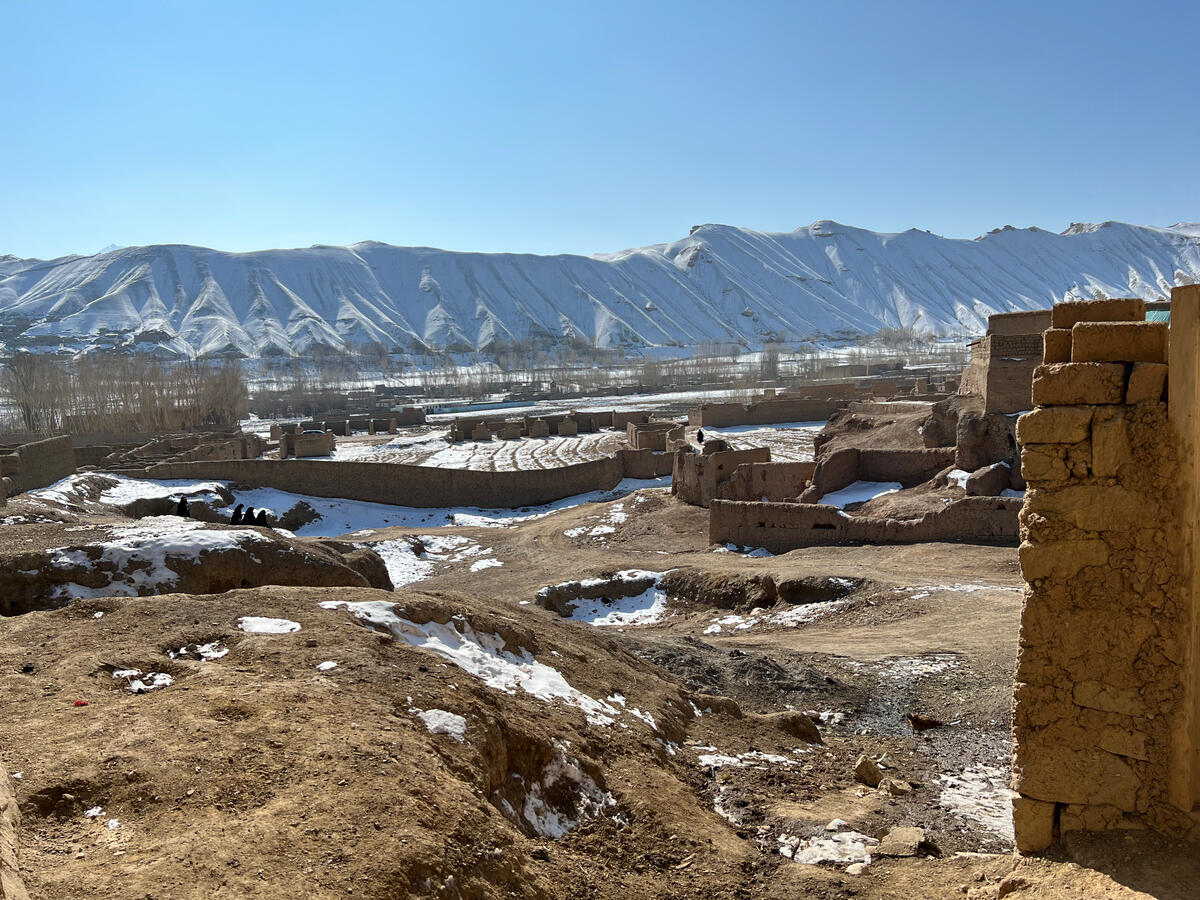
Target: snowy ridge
[{"x": 719, "y": 283}]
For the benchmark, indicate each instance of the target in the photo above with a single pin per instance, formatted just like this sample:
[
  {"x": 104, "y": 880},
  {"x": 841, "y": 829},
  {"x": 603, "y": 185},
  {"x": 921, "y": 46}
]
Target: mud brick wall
[
  {"x": 1000, "y": 371},
  {"x": 780, "y": 527},
  {"x": 653, "y": 435},
  {"x": 850, "y": 464},
  {"x": 766, "y": 412},
  {"x": 401, "y": 485},
  {"x": 767, "y": 481},
  {"x": 38, "y": 464},
  {"x": 1104, "y": 696},
  {"x": 696, "y": 478},
  {"x": 1022, "y": 323},
  {"x": 645, "y": 463}
]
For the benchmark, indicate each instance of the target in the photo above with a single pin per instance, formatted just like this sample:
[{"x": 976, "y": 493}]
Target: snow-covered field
[
  {"x": 339, "y": 517},
  {"x": 432, "y": 449}
]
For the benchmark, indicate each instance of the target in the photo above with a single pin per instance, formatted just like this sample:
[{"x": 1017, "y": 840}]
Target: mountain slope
[{"x": 719, "y": 283}]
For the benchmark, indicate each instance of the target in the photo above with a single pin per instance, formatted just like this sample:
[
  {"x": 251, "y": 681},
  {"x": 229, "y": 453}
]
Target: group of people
[{"x": 249, "y": 517}]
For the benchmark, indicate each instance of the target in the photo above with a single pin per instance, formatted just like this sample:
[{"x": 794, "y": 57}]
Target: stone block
[
  {"x": 1044, "y": 464},
  {"x": 988, "y": 481},
  {"x": 1033, "y": 824},
  {"x": 539, "y": 428},
  {"x": 1060, "y": 560},
  {"x": 1074, "y": 383},
  {"x": 1110, "y": 444},
  {"x": 568, "y": 427},
  {"x": 1098, "y": 507},
  {"x": 1055, "y": 425},
  {"x": 1065, "y": 315},
  {"x": 1146, "y": 382},
  {"x": 1119, "y": 342},
  {"x": 1056, "y": 345}
]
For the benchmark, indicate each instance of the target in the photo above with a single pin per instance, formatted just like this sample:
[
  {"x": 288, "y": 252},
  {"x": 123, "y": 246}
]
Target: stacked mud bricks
[{"x": 1105, "y": 711}]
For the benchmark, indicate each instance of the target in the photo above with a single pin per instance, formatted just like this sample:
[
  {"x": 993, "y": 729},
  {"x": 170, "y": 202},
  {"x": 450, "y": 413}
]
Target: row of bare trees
[{"x": 96, "y": 394}]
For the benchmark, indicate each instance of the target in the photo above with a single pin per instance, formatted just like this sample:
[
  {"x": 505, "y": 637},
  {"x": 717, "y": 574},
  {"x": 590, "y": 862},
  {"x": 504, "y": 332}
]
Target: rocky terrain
[{"x": 591, "y": 702}]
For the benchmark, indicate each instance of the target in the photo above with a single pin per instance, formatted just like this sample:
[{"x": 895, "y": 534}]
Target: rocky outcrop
[{"x": 158, "y": 555}]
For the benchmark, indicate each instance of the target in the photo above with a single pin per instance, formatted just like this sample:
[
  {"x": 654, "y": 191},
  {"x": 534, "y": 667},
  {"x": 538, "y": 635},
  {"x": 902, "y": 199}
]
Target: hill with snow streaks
[{"x": 719, "y": 283}]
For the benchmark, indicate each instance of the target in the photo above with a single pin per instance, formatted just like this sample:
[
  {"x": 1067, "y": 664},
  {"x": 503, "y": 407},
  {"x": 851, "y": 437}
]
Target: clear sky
[{"x": 585, "y": 127}]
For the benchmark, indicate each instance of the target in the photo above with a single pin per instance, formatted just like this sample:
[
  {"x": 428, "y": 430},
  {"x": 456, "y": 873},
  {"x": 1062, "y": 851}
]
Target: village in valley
[{"x": 663, "y": 645}]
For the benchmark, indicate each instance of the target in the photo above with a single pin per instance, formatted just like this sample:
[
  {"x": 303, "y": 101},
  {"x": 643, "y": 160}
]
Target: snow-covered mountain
[{"x": 719, "y": 283}]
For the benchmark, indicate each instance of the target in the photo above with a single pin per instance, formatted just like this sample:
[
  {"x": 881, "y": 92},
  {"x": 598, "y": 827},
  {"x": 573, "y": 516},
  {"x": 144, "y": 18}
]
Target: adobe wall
[
  {"x": 765, "y": 412},
  {"x": 843, "y": 467},
  {"x": 653, "y": 435},
  {"x": 38, "y": 464},
  {"x": 1022, "y": 323},
  {"x": 645, "y": 463},
  {"x": 403, "y": 485},
  {"x": 1106, "y": 698},
  {"x": 1000, "y": 369},
  {"x": 767, "y": 481},
  {"x": 697, "y": 478},
  {"x": 780, "y": 527}
]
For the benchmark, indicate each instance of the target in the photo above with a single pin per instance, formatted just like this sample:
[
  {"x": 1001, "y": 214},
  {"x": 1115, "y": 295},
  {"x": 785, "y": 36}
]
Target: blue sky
[{"x": 571, "y": 127}]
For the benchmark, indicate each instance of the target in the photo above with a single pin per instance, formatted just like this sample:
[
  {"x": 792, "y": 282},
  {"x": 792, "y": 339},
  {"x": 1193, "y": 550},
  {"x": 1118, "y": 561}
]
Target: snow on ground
[
  {"x": 207, "y": 652},
  {"x": 438, "y": 721},
  {"x": 905, "y": 668},
  {"x": 860, "y": 492},
  {"x": 958, "y": 477},
  {"x": 483, "y": 655},
  {"x": 606, "y": 524},
  {"x": 787, "y": 441},
  {"x": 714, "y": 759},
  {"x": 588, "y": 800},
  {"x": 646, "y": 608},
  {"x": 408, "y": 562},
  {"x": 981, "y": 795},
  {"x": 143, "y": 684},
  {"x": 788, "y": 618},
  {"x": 267, "y": 625},
  {"x": 340, "y": 516},
  {"x": 755, "y": 552},
  {"x": 139, "y": 554},
  {"x": 524, "y": 454},
  {"x": 846, "y": 847}
]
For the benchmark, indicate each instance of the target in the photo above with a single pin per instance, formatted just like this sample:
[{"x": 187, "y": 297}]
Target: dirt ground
[{"x": 664, "y": 759}]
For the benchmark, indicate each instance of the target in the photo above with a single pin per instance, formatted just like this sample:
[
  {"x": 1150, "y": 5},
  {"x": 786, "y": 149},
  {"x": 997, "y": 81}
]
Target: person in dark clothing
[
  {"x": 181, "y": 509},
  {"x": 236, "y": 518},
  {"x": 700, "y": 435},
  {"x": 248, "y": 517},
  {"x": 261, "y": 519}
]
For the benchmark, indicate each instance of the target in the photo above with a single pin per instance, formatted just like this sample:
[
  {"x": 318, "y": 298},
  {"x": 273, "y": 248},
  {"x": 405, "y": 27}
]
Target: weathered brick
[
  {"x": 1055, "y": 425},
  {"x": 1119, "y": 342},
  {"x": 1044, "y": 464},
  {"x": 1071, "y": 384},
  {"x": 1056, "y": 344},
  {"x": 1062, "y": 559},
  {"x": 1065, "y": 315},
  {"x": 1033, "y": 822},
  {"x": 1110, "y": 443},
  {"x": 1146, "y": 382}
]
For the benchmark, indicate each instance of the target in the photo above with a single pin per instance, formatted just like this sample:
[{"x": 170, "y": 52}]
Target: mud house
[{"x": 1001, "y": 365}]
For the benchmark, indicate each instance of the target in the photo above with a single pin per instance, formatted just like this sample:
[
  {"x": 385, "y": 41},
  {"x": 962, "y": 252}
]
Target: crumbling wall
[
  {"x": 696, "y": 477},
  {"x": 38, "y": 464},
  {"x": 843, "y": 467},
  {"x": 780, "y": 527},
  {"x": 767, "y": 481},
  {"x": 403, "y": 485},
  {"x": 1105, "y": 685},
  {"x": 653, "y": 435}
]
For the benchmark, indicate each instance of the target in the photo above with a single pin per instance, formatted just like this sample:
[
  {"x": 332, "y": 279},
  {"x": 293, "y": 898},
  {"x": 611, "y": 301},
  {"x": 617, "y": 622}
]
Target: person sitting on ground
[
  {"x": 236, "y": 518},
  {"x": 181, "y": 509},
  {"x": 248, "y": 516},
  {"x": 261, "y": 519}
]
